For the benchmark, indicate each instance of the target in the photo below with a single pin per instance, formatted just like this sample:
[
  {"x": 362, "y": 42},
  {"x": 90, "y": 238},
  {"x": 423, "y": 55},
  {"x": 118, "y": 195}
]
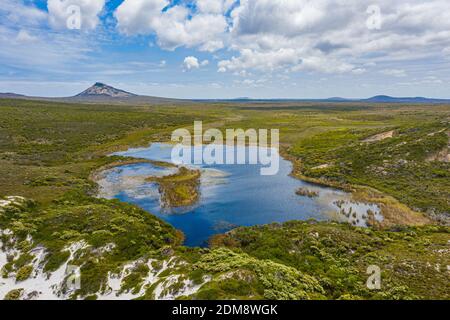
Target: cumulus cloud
[
  {"x": 193, "y": 63},
  {"x": 174, "y": 26},
  {"x": 334, "y": 36},
  {"x": 13, "y": 13},
  {"x": 296, "y": 35},
  {"x": 257, "y": 36},
  {"x": 28, "y": 42},
  {"x": 261, "y": 60},
  {"x": 139, "y": 16},
  {"x": 87, "y": 11},
  {"x": 214, "y": 6}
]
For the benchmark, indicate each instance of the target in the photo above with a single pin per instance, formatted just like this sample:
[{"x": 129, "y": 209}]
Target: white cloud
[
  {"x": 139, "y": 16},
  {"x": 258, "y": 38},
  {"x": 60, "y": 11},
  {"x": 41, "y": 51},
  {"x": 29, "y": 44},
  {"x": 173, "y": 27},
  {"x": 261, "y": 60},
  {"x": 215, "y": 85},
  {"x": 394, "y": 72},
  {"x": 15, "y": 13},
  {"x": 332, "y": 36},
  {"x": 297, "y": 35},
  {"x": 214, "y": 6},
  {"x": 289, "y": 17},
  {"x": 24, "y": 36},
  {"x": 191, "y": 63},
  {"x": 212, "y": 45},
  {"x": 251, "y": 82},
  {"x": 429, "y": 80}
]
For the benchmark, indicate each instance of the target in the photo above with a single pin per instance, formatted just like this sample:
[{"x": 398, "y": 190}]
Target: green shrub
[
  {"x": 14, "y": 294},
  {"x": 24, "y": 273}
]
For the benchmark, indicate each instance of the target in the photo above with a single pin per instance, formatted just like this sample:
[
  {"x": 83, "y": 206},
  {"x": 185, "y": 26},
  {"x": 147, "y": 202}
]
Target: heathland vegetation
[{"x": 395, "y": 155}]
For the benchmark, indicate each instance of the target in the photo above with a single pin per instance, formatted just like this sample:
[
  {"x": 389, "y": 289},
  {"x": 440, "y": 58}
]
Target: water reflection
[{"x": 231, "y": 195}]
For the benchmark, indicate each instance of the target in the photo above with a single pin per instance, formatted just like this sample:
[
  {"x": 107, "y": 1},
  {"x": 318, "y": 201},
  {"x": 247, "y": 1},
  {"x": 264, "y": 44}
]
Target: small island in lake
[{"x": 180, "y": 189}]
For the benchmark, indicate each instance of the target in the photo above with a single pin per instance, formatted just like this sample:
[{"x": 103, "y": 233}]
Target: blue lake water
[{"x": 231, "y": 195}]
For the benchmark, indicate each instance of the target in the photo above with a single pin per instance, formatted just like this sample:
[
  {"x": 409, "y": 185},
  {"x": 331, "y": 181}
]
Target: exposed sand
[
  {"x": 49, "y": 286},
  {"x": 380, "y": 136}
]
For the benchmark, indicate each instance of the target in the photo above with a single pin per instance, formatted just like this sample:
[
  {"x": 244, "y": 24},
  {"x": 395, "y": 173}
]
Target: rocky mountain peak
[{"x": 103, "y": 90}]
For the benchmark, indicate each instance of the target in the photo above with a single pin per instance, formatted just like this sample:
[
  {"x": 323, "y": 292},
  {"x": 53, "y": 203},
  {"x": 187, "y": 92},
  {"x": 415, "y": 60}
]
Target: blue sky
[{"x": 227, "y": 48}]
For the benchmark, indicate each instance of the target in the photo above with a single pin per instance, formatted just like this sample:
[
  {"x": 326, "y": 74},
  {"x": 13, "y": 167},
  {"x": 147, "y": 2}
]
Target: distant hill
[
  {"x": 101, "y": 93},
  {"x": 337, "y": 99},
  {"x": 11, "y": 96},
  {"x": 375, "y": 99},
  {"x": 389, "y": 99},
  {"x": 102, "y": 90}
]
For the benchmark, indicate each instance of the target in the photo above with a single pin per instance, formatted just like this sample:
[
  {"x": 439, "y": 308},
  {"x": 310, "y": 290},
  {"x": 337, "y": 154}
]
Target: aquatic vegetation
[
  {"x": 396, "y": 165},
  {"x": 245, "y": 189},
  {"x": 307, "y": 193}
]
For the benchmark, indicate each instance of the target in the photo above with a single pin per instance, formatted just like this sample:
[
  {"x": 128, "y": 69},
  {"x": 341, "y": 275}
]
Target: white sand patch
[
  {"x": 442, "y": 156},
  {"x": 4, "y": 203},
  {"x": 163, "y": 292},
  {"x": 40, "y": 285},
  {"x": 380, "y": 136},
  {"x": 11, "y": 201},
  {"x": 56, "y": 286},
  {"x": 435, "y": 133},
  {"x": 105, "y": 249},
  {"x": 323, "y": 166},
  {"x": 115, "y": 282}
]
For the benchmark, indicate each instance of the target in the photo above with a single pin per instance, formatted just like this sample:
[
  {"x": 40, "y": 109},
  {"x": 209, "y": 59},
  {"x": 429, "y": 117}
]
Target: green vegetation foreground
[{"x": 48, "y": 151}]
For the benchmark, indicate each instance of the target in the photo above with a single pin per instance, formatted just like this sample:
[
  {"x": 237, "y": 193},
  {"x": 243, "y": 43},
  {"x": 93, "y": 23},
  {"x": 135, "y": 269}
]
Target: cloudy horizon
[{"x": 227, "y": 48}]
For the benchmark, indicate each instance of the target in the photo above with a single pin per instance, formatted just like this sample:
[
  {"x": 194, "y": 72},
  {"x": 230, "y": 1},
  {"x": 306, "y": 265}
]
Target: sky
[{"x": 227, "y": 48}]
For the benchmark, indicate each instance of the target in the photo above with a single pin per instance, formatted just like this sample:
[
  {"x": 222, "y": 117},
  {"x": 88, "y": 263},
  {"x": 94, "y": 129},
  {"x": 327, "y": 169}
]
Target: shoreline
[{"x": 393, "y": 212}]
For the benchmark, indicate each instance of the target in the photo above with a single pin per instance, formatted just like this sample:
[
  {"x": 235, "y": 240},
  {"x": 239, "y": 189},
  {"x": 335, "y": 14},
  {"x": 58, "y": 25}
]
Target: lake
[{"x": 231, "y": 196}]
